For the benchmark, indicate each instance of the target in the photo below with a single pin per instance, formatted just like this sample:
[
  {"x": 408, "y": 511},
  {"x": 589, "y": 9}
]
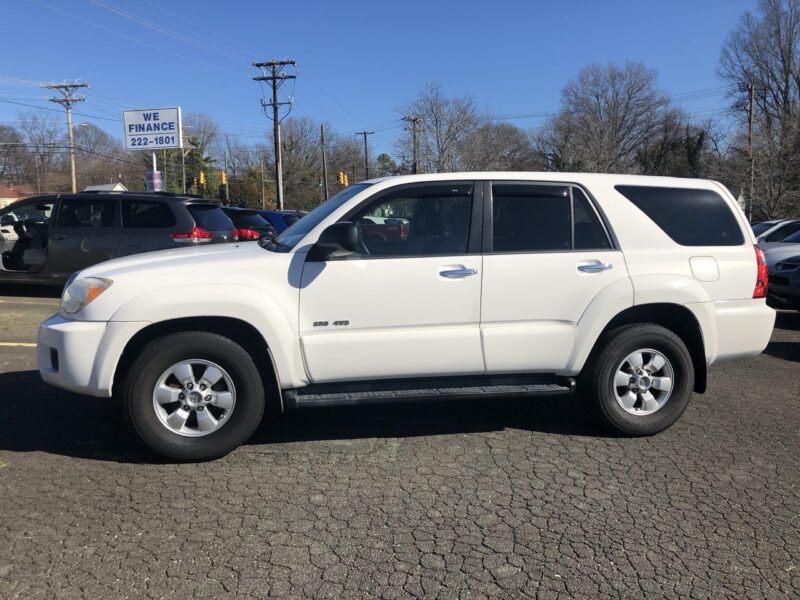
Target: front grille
[{"x": 779, "y": 280}]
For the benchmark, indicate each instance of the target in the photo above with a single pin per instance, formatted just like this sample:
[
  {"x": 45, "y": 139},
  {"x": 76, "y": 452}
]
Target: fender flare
[
  {"x": 636, "y": 291},
  {"x": 232, "y": 301}
]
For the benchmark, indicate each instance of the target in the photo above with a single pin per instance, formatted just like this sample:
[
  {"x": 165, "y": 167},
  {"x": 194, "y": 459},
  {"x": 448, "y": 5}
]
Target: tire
[
  {"x": 221, "y": 416},
  {"x": 611, "y": 404}
]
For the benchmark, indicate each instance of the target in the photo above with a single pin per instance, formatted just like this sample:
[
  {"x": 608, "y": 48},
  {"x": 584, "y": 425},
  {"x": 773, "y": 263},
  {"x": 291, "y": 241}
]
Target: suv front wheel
[
  {"x": 193, "y": 395},
  {"x": 640, "y": 381}
]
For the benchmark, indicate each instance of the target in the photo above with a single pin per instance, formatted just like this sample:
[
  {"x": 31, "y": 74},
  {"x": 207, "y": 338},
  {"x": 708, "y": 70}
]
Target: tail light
[
  {"x": 247, "y": 234},
  {"x": 762, "y": 275},
  {"x": 195, "y": 236}
]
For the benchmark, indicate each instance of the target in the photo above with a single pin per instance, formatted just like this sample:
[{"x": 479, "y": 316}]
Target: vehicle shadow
[
  {"x": 784, "y": 350},
  {"x": 30, "y": 291},
  {"x": 37, "y": 417},
  {"x": 787, "y": 319}
]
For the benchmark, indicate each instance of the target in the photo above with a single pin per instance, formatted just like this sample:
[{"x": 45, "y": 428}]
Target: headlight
[{"x": 80, "y": 292}]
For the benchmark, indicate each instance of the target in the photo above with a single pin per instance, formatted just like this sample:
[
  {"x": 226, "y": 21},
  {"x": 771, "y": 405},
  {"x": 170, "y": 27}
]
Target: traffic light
[
  {"x": 340, "y": 177},
  {"x": 194, "y": 183},
  {"x": 202, "y": 179},
  {"x": 346, "y": 182},
  {"x": 223, "y": 177}
]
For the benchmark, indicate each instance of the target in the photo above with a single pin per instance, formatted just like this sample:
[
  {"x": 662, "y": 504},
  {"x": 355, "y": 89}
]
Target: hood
[{"x": 180, "y": 260}]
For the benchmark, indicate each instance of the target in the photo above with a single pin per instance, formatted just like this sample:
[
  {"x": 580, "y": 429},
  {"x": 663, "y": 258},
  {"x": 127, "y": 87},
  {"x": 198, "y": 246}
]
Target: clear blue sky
[{"x": 358, "y": 61}]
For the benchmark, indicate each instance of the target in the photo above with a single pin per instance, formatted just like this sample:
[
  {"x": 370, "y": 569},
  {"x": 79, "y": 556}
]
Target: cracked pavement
[{"x": 481, "y": 499}]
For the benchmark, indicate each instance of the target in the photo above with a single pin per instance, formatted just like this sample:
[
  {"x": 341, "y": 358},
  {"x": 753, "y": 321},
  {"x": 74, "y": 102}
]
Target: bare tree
[
  {"x": 45, "y": 135},
  {"x": 497, "y": 147},
  {"x": 607, "y": 114},
  {"x": 764, "y": 52},
  {"x": 14, "y": 156},
  {"x": 445, "y": 123},
  {"x": 100, "y": 156}
]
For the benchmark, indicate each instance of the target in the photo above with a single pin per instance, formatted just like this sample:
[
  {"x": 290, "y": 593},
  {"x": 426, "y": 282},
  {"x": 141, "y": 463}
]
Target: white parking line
[{"x": 25, "y": 344}]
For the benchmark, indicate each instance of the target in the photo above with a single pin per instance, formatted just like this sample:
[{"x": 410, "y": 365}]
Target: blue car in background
[{"x": 281, "y": 219}]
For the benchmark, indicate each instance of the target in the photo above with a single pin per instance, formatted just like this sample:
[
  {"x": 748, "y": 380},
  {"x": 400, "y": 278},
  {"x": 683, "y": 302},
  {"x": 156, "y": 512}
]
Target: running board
[{"x": 378, "y": 392}]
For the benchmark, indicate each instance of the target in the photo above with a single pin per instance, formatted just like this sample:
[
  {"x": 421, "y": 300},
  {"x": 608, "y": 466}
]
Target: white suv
[{"x": 430, "y": 286}]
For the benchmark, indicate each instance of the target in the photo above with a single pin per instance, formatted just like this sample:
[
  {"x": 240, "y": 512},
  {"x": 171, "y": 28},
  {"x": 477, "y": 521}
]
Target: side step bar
[{"x": 377, "y": 392}]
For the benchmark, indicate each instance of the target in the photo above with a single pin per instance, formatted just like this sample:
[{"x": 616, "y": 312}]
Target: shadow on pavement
[
  {"x": 787, "y": 319},
  {"x": 31, "y": 291},
  {"x": 784, "y": 350},
  {"x": 37, "y": 417}
]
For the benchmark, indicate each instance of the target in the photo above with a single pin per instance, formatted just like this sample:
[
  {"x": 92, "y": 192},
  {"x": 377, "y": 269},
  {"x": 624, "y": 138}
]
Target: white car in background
[{"x": 502, "y": 284}]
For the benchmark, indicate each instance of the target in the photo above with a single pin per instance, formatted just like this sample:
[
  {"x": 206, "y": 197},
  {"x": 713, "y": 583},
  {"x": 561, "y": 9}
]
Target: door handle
[
  {"x": 59, "y": 236},
  {"x": 595, "y": 267},
  {"x": 458, "y": 273}
]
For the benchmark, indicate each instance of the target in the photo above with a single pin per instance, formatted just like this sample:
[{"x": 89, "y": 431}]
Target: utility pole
[
  {"x": 366, "y": 152},
  {"x": 276, "y": 77},
  {"x": 227, "y": 192},
  {"x": 67, "y": 91},
  {"x": 749, "y": 204},
  {"x": 263, "y": 197},
  {"x": 415, "y": 121},
  {"x": 324, "y": 162}
]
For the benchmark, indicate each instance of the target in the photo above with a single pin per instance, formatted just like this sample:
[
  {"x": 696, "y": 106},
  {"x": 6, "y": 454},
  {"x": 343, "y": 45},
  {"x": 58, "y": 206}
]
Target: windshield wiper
[{"x": 272, "y": 245}]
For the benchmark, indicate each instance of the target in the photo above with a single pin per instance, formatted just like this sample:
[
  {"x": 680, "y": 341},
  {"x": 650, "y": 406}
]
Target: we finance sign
[{"x": 152, "y": 129}]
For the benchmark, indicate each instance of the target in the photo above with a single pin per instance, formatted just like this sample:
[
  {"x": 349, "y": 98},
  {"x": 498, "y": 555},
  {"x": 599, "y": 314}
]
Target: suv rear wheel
[
  {"x": 193, "y": 395},
  {"x": 640, "y": 381}
]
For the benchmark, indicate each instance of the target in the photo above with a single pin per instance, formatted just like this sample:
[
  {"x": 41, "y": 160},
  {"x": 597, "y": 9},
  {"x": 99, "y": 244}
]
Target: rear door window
[
  {"x": 147, "y": 214},
  {"x": 531, "y": 218},
  {"x": 210, "y": 217},
  {"x": 691, "y": 217},
  {"x": 87, "y": 213}
]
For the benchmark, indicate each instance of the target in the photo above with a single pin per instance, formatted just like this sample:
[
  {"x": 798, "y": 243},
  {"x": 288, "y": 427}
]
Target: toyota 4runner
[{"x": 625, "y": 288}]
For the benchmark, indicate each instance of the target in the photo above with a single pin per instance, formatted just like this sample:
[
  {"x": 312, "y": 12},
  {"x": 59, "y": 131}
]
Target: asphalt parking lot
[{"x": 468, "y": 500}]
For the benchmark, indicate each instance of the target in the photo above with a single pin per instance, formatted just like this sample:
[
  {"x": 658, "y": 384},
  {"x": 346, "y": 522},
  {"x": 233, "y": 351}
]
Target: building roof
[
  {"x": 16, "y": 192},
  {"x": 106, "y": 187}
]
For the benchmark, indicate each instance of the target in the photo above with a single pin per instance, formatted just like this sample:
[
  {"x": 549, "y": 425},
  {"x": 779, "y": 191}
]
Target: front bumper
[
  {"x": 785, "y": 287},
  {"x": 82, "y": 356}
]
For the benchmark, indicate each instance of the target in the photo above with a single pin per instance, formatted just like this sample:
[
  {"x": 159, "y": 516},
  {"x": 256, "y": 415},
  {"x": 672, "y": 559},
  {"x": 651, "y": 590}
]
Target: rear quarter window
[
  {"x": 147, "y": 214},
  {"x": 210, "y": 217},
  {"x": 690, "y": 217}
]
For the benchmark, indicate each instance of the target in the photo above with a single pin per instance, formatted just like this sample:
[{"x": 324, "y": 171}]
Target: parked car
[
  {"x": 784, "y": 280},
  {"x": 507, "y": 284},
  {"x": 775, "y": 230},
  {"x": 249, "y": 224},
  {"x": 281, "y": 219},
  {"x": 788, "y": 246},
  {"x": 45, "y": 239}
]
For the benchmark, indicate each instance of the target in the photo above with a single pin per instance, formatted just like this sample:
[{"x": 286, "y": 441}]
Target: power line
[
  {"x": 163, "y": 30},
  {"x": 135, "y": 40}
]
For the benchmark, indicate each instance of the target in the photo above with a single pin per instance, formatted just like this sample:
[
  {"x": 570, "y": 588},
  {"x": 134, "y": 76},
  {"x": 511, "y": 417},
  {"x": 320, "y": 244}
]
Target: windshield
[
  {"x": 210, "y": 217},
  {"x": 760, "y": 228},
  {"x": 293, "y": 234},
  {"x": 792, "y": 239}
]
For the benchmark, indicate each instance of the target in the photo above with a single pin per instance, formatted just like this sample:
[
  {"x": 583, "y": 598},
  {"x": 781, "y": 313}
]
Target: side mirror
[
  {"x": 761, "y": 239},
  {"x": 338, "y": 239}
]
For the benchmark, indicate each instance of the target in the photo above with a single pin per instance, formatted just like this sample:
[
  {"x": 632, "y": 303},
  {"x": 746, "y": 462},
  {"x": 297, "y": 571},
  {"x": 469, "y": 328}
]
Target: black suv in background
[
  {"x": 249, "y": 224},
  {"x": 45, "y": 239}
]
